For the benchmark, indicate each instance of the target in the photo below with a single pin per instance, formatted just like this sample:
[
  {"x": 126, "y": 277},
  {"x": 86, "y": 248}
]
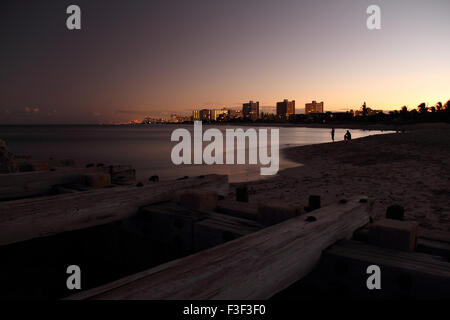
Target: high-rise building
[
  {"x": 314, "y": 107},
  {"x": 235, "y": 114},
  {"x": 205, "y": 115},
  {"x": 251, "y": 110},
  {"x": 176, "y": 118},
  {"x": 196, "y": 115},
  {"x": 216, "y": 113},
  {"x": 285, "y": 109}
]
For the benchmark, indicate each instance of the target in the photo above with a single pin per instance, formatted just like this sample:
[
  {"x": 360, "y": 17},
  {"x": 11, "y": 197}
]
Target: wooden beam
[
  {"x": 26, "y": 219},
  {"x": 35, "y": 183},
  {"x": 404, "y": 274},
  {"x": 433, "y": 247},
  {"x": 238, "y": 209},
  {"x": 219, "y": 229},
  {"x": 255, "y": 266},
  {"x": 424, "y": 245},
  {"x": 186, "y": 231},
  {"x": 435, "y": 235},
  {"x": 411, "y": 261}
]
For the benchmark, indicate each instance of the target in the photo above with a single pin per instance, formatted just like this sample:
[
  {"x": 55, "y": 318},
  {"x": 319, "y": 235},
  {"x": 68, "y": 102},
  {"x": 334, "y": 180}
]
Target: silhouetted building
[
  {"x": 235, "y": 114},
  {"x": 175, "y": 118},
  {"x": 219, "y": 113},
  {"x": 205, "y": 115},
  {"x": 196, "y": 115},
  {"x": 314, "y": 107},
  {"x": 365, "y": 111},
  {"x": 251, "y": 110},
  {"x": 285, "y": 109}
]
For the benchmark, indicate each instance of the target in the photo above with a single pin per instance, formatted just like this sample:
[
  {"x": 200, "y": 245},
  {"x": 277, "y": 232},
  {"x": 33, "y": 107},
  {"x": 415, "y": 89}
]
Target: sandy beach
[{"x": 411, "y": 169}]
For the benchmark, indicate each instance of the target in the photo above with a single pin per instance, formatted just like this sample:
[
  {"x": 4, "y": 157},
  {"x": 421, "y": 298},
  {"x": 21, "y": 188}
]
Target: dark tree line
[{"x": 422, "y": 113}]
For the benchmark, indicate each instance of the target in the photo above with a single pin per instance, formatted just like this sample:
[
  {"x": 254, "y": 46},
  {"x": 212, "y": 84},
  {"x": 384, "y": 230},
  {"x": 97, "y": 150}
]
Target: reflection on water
[{"x": 147, "y": 148}]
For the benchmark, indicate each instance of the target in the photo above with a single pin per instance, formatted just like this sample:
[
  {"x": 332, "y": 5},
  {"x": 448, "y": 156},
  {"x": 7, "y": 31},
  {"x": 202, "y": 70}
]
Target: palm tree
[
  {"x": 422, "y": 108},
  {"x": 447, "y": 106},
  {"x": 438, "y": 106}
]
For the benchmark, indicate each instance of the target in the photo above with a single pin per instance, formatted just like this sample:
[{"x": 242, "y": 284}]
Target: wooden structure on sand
[{"x": 153, "y": 246}]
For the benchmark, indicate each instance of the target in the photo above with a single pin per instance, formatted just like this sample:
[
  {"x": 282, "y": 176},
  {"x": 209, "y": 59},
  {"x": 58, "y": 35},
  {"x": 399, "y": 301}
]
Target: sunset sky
[{"x": 143, "y": 57}]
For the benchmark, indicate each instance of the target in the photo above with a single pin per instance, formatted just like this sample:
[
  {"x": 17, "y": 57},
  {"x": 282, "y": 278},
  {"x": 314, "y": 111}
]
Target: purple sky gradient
[{"x": 140, "y": 57}]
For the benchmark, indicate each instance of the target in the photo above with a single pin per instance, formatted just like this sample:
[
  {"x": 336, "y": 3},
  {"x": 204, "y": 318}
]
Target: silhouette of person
[
  {"x": 348, "y": 136},
  {"x": 332, "y": 134}
]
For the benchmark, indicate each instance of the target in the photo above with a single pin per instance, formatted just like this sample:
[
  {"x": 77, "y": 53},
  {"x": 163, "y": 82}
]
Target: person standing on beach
[
  {"x": 348, "y": 136},
  {"x": 332, "y": 134}
]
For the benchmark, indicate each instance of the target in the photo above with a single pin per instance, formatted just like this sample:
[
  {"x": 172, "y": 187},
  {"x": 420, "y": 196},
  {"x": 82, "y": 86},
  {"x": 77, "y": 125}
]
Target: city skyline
[{"x": 155, "y": 58}]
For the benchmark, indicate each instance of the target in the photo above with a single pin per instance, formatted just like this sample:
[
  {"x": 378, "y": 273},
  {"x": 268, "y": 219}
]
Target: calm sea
[{"x": 147, "y": 148}]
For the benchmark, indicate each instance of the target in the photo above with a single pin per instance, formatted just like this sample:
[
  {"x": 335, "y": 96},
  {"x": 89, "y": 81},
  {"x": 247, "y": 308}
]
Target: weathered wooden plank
[
  {"x": 185, "y": 231},
  {"x": 424, "y": 245},
  {"x": 402, "y": 273},
  {"x": 436, "y": 235},
  {"x": 394, "y": 234},
  {"x": 28, "y": 184},
  {"x": 25, "y": 219},
  {"x": 413, "y": 261},
  {"x": 121, "y": 174},
  {"x": 252, "y": 267},
  {"x": 171, "y": 226},
  {"x": 238, "y": 209},
  {"x": 218, "y": 229},
  {"x": 433, "y": 247}
]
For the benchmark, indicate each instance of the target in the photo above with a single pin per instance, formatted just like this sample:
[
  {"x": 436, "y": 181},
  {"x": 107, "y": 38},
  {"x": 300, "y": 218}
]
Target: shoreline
[
  {"x": 342, "y": 125},
  {"x": 351, "y": 126}
]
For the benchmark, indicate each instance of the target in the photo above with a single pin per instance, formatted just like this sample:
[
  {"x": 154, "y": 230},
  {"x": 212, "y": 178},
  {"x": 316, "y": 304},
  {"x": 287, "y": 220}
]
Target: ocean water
[{"x": 146, "y": 148}]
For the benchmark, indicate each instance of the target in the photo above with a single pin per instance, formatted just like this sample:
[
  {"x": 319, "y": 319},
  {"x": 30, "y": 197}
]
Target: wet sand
[{"x": 411, "y": 169}]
